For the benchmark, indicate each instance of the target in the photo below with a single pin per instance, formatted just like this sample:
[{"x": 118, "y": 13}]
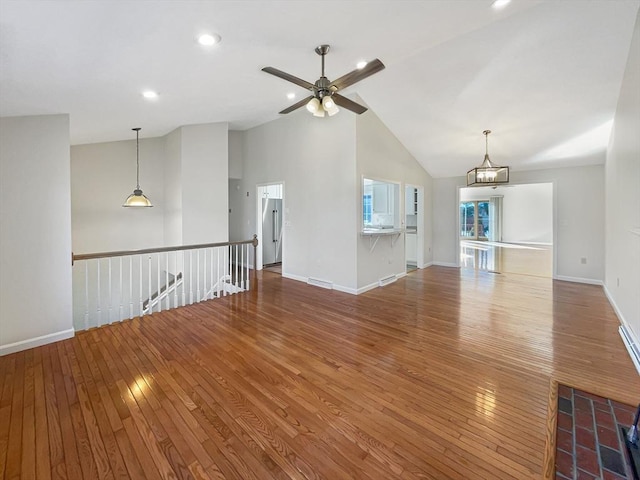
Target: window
[
  {"x": 366, "y": 209},
  {"x": 474, "y": 220},
  {"x": 380, "y": 204}
]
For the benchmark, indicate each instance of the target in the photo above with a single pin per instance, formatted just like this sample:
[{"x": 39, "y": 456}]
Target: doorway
[
  {"x": 507, "y": 229},
  {"x": 270, "y": 209},
  {"x": 414, "y": 227}
]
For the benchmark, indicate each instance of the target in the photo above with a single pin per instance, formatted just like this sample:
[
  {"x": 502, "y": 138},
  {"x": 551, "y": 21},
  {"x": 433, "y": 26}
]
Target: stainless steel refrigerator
[{"x": 271, "y": 231}]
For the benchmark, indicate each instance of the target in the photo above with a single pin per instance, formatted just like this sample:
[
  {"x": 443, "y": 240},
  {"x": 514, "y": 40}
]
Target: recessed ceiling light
[
  {"x": 361, "y": 65},
  {"x": 500, "y": 3},
  {"x": 291, "y": 96},
  {"x": 150, "y": 94},
  {"x": 208, "y": 39}
]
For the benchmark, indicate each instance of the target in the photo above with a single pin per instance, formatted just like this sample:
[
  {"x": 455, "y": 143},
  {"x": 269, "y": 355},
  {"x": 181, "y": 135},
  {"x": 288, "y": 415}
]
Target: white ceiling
[{"x": 544, "y": 76}]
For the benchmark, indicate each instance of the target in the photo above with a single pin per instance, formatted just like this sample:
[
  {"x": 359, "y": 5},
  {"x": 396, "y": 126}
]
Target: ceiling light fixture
[
  {"x": 209, "y": 39},
  {"x": 137, "y": 198},
  {"x": 150, "y": 94},
  {"x": 487, "y": 173},
  {"x": 500, "y": 4},
  {"x": 291, "y": 96}
]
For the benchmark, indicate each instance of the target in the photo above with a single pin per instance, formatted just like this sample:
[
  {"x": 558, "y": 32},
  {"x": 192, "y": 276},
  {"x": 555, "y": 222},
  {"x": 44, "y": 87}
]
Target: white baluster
[
  {"x": 197, "y": 275},
  {"x": 236, "y": 283},
  {"x": 184, "y": 281},
  {"x": 86, "y": 294},
  {"x": 120, "y": 290},
  {"x": 218, "y": 270},
  {"x": 204, "y": 271},
  {"x": 166, "y": 281},
  {"x": 190, "y": 277},
  {"x": 175, "y": 292},
  {"x": 149, "y": 305},
  {"x": 99, "y": 305},
  {"x": 141, "y": 311},
  {"x": 130, "y": 287},
  {"x": 158, "y": 301}
]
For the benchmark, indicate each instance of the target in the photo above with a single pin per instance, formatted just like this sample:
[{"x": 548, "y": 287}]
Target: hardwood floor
[{"x": 442, "y": 374}]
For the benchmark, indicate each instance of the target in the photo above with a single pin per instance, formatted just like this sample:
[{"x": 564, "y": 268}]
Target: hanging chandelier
[
  {"x": 137, "y": 198},
  {"x": 487, "y": 173}
]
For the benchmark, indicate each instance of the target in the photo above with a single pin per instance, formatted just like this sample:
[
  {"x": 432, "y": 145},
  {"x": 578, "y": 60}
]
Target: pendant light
[
  {"x": 487, "y": 173},
  {"x": 137, "y": 198}
]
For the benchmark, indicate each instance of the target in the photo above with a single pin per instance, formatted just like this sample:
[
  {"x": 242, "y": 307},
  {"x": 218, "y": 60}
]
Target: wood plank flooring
[{"x": 443, "y": 374}]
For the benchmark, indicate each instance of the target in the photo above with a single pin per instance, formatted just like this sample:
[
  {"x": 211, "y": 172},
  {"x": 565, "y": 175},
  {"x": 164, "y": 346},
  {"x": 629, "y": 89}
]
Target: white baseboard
[
  {"x": 629, "y": 339},
  {"x": 426, "y": 265},
  {"x": 36, "y": 342},
  {"x": 445, "y": 264},
  {"x": 366, "y": 288},
  {"x": 590, "y": 281}
]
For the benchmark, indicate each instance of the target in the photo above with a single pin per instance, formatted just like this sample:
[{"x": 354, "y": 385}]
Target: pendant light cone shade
[
  {"x": 487, "y": 173},
  {"x": 137, "y": 198},
  {"x": 313, "y": 105},
  {"x": 330, "y": 106}
]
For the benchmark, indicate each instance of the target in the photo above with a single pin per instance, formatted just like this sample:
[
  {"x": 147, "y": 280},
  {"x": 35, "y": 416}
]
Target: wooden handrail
[{"x": 124, "y": 253}]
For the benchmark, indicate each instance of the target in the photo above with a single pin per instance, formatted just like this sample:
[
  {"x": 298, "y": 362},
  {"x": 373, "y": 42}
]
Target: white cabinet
[{"x": 411, "y": 248}]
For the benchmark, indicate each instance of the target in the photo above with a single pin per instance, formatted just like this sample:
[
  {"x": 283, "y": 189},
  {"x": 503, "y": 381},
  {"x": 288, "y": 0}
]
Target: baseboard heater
[
  {"x": 632, "y": 347},
  {"x": 316, "y": 282},
  {"x": 386, "y": 280}
]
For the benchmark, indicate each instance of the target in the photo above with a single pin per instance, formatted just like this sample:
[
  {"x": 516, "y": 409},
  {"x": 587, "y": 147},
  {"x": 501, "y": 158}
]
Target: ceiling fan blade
[
  {"x": 297, "y": 105},
  {"x": 348, "y": 104},
  {"x": 374, "y": 66},
  {"x": 288, "y": 77}
]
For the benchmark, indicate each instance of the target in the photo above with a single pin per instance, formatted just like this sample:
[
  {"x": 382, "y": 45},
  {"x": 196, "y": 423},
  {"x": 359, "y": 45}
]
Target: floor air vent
[
  {"x": 386, "y": 280},
  {"x": 320, "y": 283}
]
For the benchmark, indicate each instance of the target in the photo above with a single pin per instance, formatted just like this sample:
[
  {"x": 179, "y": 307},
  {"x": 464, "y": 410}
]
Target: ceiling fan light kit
[
  {"x": 488, "y": 173},
  {"x": 324, "y": 93}
]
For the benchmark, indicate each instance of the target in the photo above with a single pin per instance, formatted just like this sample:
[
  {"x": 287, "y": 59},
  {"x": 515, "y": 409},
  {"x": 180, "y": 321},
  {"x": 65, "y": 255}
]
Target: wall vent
[
  {"x": 386, "y": 280},
  {"x": 320, "y": 283},
  {"x": 632, "y": 347}
]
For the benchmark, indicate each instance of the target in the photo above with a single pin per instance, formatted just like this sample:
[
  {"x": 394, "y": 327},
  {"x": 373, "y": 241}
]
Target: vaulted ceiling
[{"x": 544, "y": 76}]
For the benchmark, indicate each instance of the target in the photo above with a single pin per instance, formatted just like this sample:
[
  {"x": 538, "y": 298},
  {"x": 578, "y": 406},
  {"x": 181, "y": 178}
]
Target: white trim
[
  {"x": 349, "y": 290},
  {"x": 426, "y": 265},
  {"x": 402, "y": 274},
  {"x": 366, "y": 288},
  {"x": 590, "y": 281},
  {"x": 614, "y": 305},
  {"x": 318, "y": 282},
  {"x": 632, "y": 345},
  {"x": 628, "y": 337},
  {"x": 297, "y": 278},
  {"x": 445, "y": 264},
  {"x": 36, "y": 342}
]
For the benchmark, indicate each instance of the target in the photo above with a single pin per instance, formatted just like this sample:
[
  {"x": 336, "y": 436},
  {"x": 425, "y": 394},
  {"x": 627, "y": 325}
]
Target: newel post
[{"x": 255, "y": 256}]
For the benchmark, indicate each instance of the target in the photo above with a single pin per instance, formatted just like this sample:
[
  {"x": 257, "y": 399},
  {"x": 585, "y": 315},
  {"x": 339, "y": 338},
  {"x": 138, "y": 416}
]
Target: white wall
[
  {"x": 173, "y": 188},
  {"x": 205, "y": 183},
  {"x": 103, "y": 175},
  {"x": 578, "y": 221},
  {"x": 315, "y": 158},
  {"x": 235, "y": 154},
  {"x": 35, "y": 234},
  {"x": 381, "y": 156},
  {"x": 622, "y": 270}
]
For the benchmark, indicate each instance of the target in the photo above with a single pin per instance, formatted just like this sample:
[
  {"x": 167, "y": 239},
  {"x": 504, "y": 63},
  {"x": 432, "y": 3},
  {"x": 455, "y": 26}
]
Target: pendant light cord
[{"x": 137, "y": 158}]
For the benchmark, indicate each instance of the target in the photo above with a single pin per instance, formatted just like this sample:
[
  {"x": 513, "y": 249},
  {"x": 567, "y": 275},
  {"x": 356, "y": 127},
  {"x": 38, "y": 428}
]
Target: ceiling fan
[{"x": 325, "y": 94}]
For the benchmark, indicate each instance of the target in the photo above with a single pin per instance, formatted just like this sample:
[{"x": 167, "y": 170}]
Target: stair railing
[{"x": 113, "y": 286}]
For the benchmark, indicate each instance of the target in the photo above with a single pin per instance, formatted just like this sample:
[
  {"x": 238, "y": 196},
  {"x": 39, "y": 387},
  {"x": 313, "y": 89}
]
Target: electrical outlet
[{"x": 583, "y": 260}]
